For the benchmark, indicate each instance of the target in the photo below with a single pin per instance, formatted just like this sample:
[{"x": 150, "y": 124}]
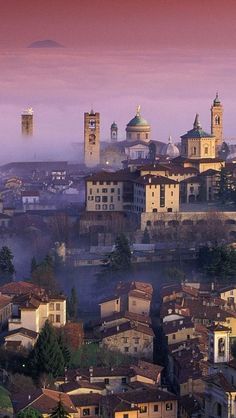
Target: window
[
  {"x": 94, "y": 183},
  {"x": 111, "y": 207},
  {"x": 162, "y": 195},
  {"x": 104, "y": 207},
  {"x": 104, "y": 190},
  {"x": 136, "y": 340},
  {"x": 125, "y": 339},
  {"x": 58, "y": 318},
  {"x": 206, "y": 150},
  {"x": 104, "y": 198},
  {"x": 135, "y": 349},
  {"x": 155, "y": 408},
  {"x": 134, "y": 302},
  {"x": 97, "y": 207},
  {"x": 126, "y": 349},
  {"x": 123, "y": 380},
  {"x": 86, "y": 412},
  {"x": 143, "y": 409},
  {"x": 188, "y": 337},
  {"x": 125, "y": 415},
  {"x": 118, "y": 190},
  {"x": 90, "y": 191},
  {"x": 172, "y": 193},
  {"x": 194, "y": 151},
  {"x": 169, "y": 406},
  {"x": 108, "y": 183},
  {"x": 106, "y": 381},
  {"x": 97, "y": 190},
  {"x": 118, "y": 198},
  {"x": 173, "y": 337},
  {"x": 112, "y": 190},
  {"x": 51, "y": 306},
  {"x": 152, "y": 194},
  {"x": 111, "y": 199},
  {"x": 219, "y": 410},
  {"x": 115, "y": 183},
  {"x": 96, "y": 410},
  {"x": 97, "y": 199},
  {"x": 101, "y": 183},
  {"x": 58, "y": 306}
]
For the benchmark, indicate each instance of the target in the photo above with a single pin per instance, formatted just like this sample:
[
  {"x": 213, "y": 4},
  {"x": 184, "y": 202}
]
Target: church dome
[
  {"x": 114, "y": 125},
  {"x": 138, "y": 121},
  {"x": 171, "y": 150},
  {"x": 138, "y": 128}
]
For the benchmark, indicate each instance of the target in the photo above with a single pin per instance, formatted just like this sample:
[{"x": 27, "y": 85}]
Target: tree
[
  {"x": 224, "y": 151},
  {"x": 47, "y": 356},
  {"x": 217, "y": 261},
  {"x": 6, "y": 266},
  {"x": 43, "y": 275},
  {"x": 120, "y": 258},
  {"x": 59, "y": 411},
  {"x": 146, "y": 237},
  {"x": 34, "y": 265},
  {"x": 64, "y": 348},
  {"x": 152, "y": 151},
  {"x": 73, "y": 305},
  {"x": 29, "y": 413},
  {"x": 226, "y": 186}
]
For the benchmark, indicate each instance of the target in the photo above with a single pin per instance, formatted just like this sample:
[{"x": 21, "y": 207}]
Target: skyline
[{"x": 170, "y": 57}]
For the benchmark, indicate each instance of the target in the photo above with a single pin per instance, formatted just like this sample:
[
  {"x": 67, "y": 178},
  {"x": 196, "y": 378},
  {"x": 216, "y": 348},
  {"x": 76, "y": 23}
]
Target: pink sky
[{"x": 170, "y": 56}]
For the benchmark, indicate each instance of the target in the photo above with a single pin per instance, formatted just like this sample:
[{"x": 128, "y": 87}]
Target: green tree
[
  {"x": 120, "y": 258},
  {"x": 59, "y": 411},
  {"x": 217, "y": 261},
  {"x": 47, "y": 356},
  {"x": 6, "y": 265},
  {"x": 226, "y": 186},
  {"x": 152, "y": 151},
  {"x": 29, "y": 413},
  {"x": 73, "y": 305},
  {"x": 44, "y": 276},
  {"x": 34, "y": 265},
  {"x": 146, "y": 237},
  {"x": 64, "y": 348}
]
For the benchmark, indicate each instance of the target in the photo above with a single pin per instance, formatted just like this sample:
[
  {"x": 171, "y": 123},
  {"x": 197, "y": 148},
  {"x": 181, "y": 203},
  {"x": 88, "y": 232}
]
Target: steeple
[
  {"x": 216, "y": 101},
  {"x": 197, "y": 124}
]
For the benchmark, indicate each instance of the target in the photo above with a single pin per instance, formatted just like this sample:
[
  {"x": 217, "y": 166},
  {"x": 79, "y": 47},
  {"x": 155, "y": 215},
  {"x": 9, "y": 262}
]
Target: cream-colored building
[
  {"x": 156, "y": 194},
  {"x": 138, "y": 129},
  {"x": 32, "y": 313},
  {"x": 179, "y": 330},
  {"x": 197, "y": 143},
  {"x": 5, "y": 310},
  {"x": 104, "y": 192},
  {"x": 130, "y": 338}
]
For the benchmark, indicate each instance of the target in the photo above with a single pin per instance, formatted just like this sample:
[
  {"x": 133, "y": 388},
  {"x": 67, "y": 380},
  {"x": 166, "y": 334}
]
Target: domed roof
[
  {"x": 217, "y": 100},
  {"x": 114, "y": 125},
  {"x": 171, "y": 150},
  {"x": 138, "y": 120}
]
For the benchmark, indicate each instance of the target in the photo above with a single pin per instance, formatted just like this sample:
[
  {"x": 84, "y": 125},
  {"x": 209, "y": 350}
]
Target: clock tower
[
  {"x": 217, "y": 122},
  {"x": 91, "y": 138}
]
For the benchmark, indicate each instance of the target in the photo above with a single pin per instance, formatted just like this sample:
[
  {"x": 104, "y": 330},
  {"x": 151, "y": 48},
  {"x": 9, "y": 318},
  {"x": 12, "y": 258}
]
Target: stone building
[
  {"x": 27, "y": 122},
  {"x": 91, "y": 139}
]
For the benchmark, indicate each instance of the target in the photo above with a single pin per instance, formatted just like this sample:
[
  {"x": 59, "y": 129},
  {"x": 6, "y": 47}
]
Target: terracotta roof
[
  {"x": 90, "y": 399},
  {"x": 177, "y": 325},
  {"x": 82, "y": 383},
  {"x": 123, "y": 287},
  {"x": 146, "y": 369},
  {"x": 219, "y": 380},
  {"x": 126, "y": 315},
  {"x": 152, "y": 179},
  {"x": 127, "y": 326},
  {"x": 18, "y": 288},
  {"x": 148, "y": 395},
  {"x": 43, "y": 400},
  {"x": 23, "y": 331}
]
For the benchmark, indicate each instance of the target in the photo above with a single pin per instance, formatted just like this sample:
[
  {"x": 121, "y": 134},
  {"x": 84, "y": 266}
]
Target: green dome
[
  {"x": 138, "y": 121},
  {"x": 114, "y": 125}
]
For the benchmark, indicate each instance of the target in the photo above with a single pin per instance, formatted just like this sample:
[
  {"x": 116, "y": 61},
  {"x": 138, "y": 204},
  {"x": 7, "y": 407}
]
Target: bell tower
[
  {"x": 114, "y": 132},
  {"x": 217, "y": 122},
  {"x": 91, "y": 138},
  {"x": 219, "y": 348}
]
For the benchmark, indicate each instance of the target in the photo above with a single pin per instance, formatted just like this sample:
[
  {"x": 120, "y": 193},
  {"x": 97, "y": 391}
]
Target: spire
[
  {"x": 197, "y": 124},
  {"x": 217, "y": 100},
  {"x": 170, "y": 139}
]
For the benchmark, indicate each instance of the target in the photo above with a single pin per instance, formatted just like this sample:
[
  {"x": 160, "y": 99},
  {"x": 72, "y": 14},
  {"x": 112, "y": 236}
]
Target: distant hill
[{"x": 47, "y": 43}]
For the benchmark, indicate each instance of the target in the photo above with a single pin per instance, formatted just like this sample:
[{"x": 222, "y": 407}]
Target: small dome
[
  {"x": 137, "y": 121},
  {"x": 114, "y": 125},
  {"x": 217, "y": 100},
  {"x": 171, "y": 150}
]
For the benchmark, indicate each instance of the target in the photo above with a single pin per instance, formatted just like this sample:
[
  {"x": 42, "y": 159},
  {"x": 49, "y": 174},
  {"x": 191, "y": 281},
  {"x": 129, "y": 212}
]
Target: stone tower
[
  {"x": 91, "y": 138},
  {"x": 114, "y": 132},
  {"x": 218, "y": 345},
  {"x": 27, "y": 122},
  {"x": 217, "y": 122}
]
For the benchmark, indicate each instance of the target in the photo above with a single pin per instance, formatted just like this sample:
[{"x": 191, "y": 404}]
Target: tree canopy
[
  {"x": 59, "y": 411},
  {"x": 6, "y": 265},
  {"x": 217, "y": 261},
  {"x": 120, "y": 258}
]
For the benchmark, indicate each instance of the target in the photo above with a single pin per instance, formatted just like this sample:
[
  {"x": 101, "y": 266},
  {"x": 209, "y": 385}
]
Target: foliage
[
  {"x": 43, "y": 275},
  {"x": 29, "y": 413},
  {"x": 47, "y": 356},
  {"x": 120, "y": 258},
  {"x": 152, "y": 151},
  {"x": 64, "y": 348},
  {"x": 72, "y": 305},
  {"x": 19, "y": 382},
  {"x": 146, "y": 237},
  {"x": 175, "y": 274},
  {"x": 5, "y": 402},
  {"x": 93, "y": 355},
  {"x": 224, "y": 151},
  {"x": 226, "y": 186},
  {"x": 217, "y": 261},
  {"x": 13, "y": 361},
  {"x": 6, "y": 265},
  {"x": 34, "y": 265},
  {"x": 59, "y": 411}
]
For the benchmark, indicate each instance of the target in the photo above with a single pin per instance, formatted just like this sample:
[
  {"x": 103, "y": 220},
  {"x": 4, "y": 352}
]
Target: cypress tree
[
  {"x": 59, "y": 411},
  {"x": 64, "y": 349},
  {"x": 47, "y": 356},
  {"x": 34, "y": 265},
  {"x": 120, "y": 258},
  {"x": 6, "y": 266},
  {"x": 73, "y": 305}
]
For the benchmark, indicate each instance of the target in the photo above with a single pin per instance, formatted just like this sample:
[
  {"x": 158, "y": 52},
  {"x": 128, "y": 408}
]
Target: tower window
[
  {"x": 206, "y": 150},
  {"x": 194, "y": 150},
  {"x": 217, "y": 120}
]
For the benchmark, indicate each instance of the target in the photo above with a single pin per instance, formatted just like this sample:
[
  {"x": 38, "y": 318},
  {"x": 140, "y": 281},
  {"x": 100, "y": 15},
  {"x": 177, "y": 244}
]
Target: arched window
[
  {"x": 217, "y": 120},
  {"x": 221, "y": 347},
  {"x": 194, "y": 150},
  {"x": 206, "y": 150}
]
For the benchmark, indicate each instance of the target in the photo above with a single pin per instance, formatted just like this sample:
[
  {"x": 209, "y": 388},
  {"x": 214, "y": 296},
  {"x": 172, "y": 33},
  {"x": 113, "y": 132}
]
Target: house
[
  {"x": 140, "y": 403},
  {"x": 179, "y": 330},
  {"x": 43, "y": 401},
  {"x": 5, "y": 310},
  {"x": 20, "y": 338},
  {"x": 220, "y": 397},
  {"x": 129, "y": 338}
]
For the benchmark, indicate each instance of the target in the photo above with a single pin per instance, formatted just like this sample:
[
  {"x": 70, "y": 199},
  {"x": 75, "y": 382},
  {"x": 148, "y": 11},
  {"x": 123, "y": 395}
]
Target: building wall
[
  {"x": 30, "y": 319},
  {"x": 104, "y": 196},
  {"x": 138, "y": 306},
  {"x": 5, "y": 314},
  {"x": 180, "y": 335},
  {"x": 153, "y": 198},
  {"x": 109, "y": 307},
  {"x": 26, "y": 342},
  {"x": 162, "y": 412},
  {"x": 91, "y": 139},
  {"x": 217, "y": 128},
  {"x": 198, "y": 147},
  {"x": 130, "y": 342}
]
